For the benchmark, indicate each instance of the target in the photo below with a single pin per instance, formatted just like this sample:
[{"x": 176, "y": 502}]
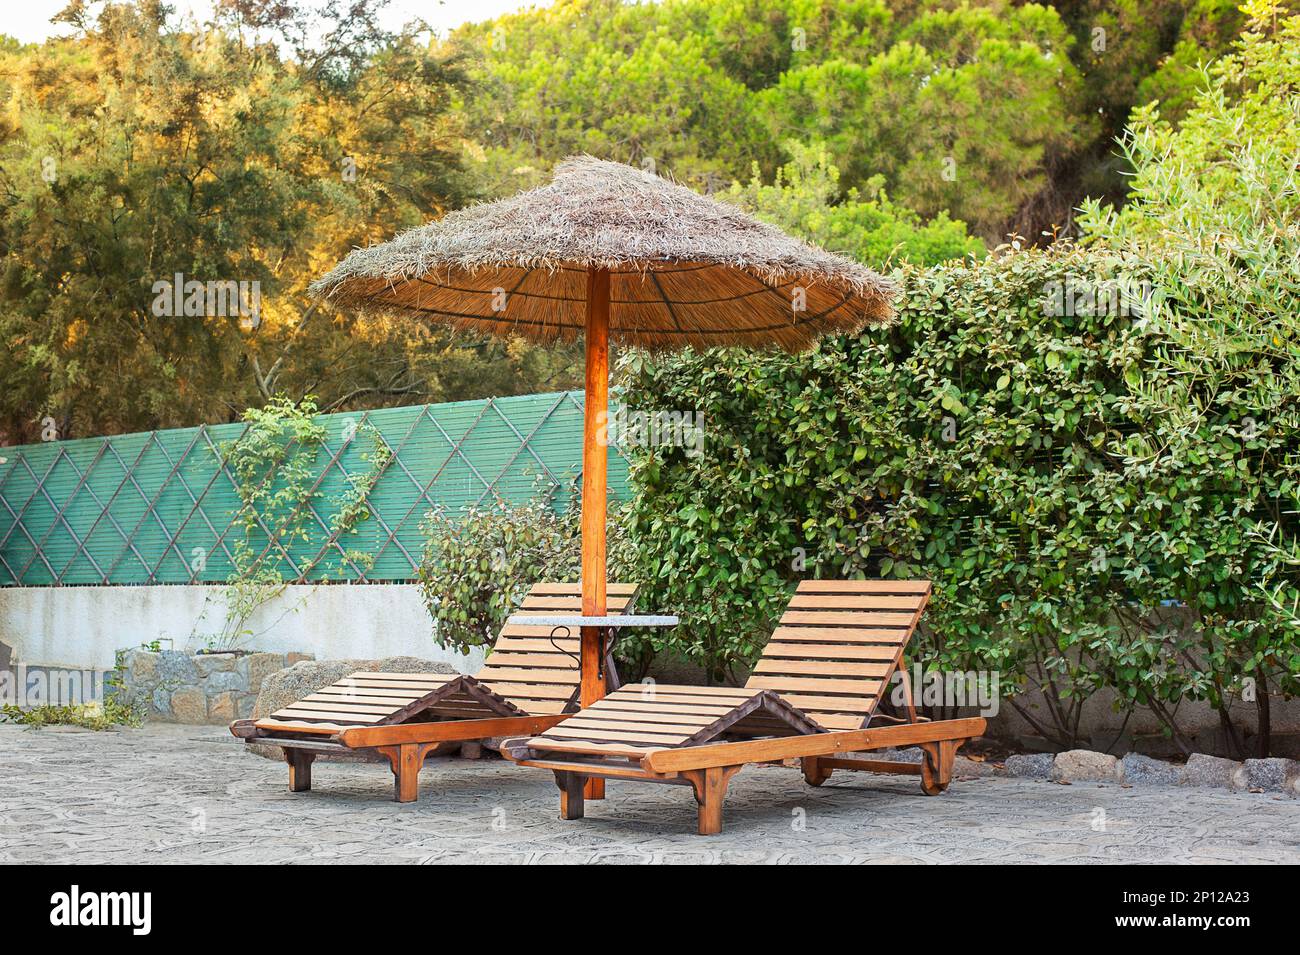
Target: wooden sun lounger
[
  {"x": 528, "y": 685},
  {"x": 813, "y": 697}
]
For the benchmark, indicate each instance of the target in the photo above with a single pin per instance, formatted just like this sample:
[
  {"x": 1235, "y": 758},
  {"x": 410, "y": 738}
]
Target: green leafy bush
[
  {"x": 996, "y": 440},
  {"x": 1215, "y": 209},
  {"x": 478, "y": 564}
]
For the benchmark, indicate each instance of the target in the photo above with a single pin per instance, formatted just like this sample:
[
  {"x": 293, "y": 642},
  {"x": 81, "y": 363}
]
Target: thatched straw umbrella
[{"x": 610, "y": 251}]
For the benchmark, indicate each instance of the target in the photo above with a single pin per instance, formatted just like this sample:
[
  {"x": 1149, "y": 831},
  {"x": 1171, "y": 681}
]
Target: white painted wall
[{"x": 84, "y": 626}]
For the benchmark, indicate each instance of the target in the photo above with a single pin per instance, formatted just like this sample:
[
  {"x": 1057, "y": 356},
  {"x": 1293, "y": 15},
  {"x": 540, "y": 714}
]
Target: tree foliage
[
  {"x": 805, "y": 200},
  {"x": 1001, "y": 114},
  {"x": 137, "y": 150}
]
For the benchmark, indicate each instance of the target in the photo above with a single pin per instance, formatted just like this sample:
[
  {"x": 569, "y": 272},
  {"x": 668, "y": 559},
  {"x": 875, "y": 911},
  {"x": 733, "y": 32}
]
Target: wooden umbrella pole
[{"x": 595, "y": 463}]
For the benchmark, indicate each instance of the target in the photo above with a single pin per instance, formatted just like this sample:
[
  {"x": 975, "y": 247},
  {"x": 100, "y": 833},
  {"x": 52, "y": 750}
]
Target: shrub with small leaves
[
  {"x": 995, "y": 440},
  {"x": 478, "y": 564}
]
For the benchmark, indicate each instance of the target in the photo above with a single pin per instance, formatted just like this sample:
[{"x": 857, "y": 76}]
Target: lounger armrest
[
  {"x": 362, "y": 737},
  {"x": 516, "y": 748},
  {"x": 818, "y": 744},
  {"x": 244, "y": 729}
]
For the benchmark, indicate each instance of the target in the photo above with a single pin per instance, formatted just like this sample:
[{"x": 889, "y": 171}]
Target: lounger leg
[
  {"x": 936, "y": 765},
  {"x": 471, "y": 749},
  {"x": 571, "y": 794},
  {"x": 710, "y": 787},
  {"x": 405, "y": 760},
  {"x": 814, "y": 773},
  {"x": 299, "y": 769},
  {"x": 595, "y": 787}
]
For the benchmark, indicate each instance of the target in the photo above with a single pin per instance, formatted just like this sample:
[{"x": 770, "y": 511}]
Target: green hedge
[{"x": 1006, "y": 439}]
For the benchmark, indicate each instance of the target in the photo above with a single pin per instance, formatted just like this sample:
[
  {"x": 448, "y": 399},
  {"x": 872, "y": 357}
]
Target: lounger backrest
[
  {"x": 837, "y": 645},
  {"x": 538, "y": 675}
]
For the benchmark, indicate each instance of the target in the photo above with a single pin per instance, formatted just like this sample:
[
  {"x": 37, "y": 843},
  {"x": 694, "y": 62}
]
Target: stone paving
[{"x": 175, "y": 794}]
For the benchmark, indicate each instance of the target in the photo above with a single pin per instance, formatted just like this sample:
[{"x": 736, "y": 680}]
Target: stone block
[
  {"x": 260, "y": 666},
  {"x": 1143, "y": 771},
  {"x": 225, "y": 681},
  {"x": 141, "y": 668},
  {"x": 1203, "y": 770},
  {"x": 210, "y": 663},
  {"x": 189, "y": 705},
  {"x": 1029, "y": 765},
  {"x": 176, "y": 669},
  {"x": 1085, "y": 766},
  {"x": 160, "y": 704},
  {"x": 1271, "y": 775}
]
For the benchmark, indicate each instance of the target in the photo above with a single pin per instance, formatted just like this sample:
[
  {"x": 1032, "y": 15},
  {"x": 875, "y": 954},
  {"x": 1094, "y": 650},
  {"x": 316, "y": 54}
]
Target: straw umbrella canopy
[{"x": 611, "y": 252}]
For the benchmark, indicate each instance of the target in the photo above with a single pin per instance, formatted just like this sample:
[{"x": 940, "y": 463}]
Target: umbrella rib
[
  {"x": 487, "y": 291},
  {"x": 672, "y": 313}
]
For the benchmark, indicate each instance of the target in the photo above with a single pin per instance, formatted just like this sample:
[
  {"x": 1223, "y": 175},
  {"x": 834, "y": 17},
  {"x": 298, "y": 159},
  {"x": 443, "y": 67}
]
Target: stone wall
[{"x": 180, "y": 687}]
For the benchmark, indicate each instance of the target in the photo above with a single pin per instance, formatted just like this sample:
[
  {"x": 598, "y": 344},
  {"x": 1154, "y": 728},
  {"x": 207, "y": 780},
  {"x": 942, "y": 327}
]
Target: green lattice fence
[{"x": 157, "y": 508}]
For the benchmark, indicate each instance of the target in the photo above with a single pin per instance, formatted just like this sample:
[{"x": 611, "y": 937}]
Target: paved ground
[{"x": 188, "y": 794}]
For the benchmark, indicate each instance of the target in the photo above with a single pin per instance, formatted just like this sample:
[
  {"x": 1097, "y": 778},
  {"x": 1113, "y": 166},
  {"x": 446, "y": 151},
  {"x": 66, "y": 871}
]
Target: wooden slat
[
  {"x": 600, "y": 749},
  {"x": 654, "y": 690},
  {"x": 352, "y": 692},
  {"x": 537, "y": 630},
  {"x": 578, "y": 721},
  {"x": 539, "y": 707},
  {"x": 536, "y": 691},
  {"x": 696, "y": 704},
  {"x": 642, "y": 716},
  {"x": 813, "y": 685},
  {"x": 348, "y": 702},
  {"x": 676, "y": 697},
  {"x": 511, "y": 657},
  {"x": 864, "y": 587},
  {"x": 837, "y": 721},
  {"x": 528, "y": 644},
  {"x": 390, "y": 685},
  {"x": 854, "y": 618},
  {"x": 330, "y": 715},
  {"x": 830, "y": 651},
  {"x": 528, "y": 675},
  {"x": 852, "y": 636},
  {"x": 336, "y": 706},
  {"x": 566, "y": 733},
  {"x": 855, "y": 602},
  {"x": 772, "y": 667},
  {"x": 539, "y": 603},
  {"x": 830, "y": 704},
  {"x": 713, "y": 710},
  {"x": 433, "y": 679}
]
